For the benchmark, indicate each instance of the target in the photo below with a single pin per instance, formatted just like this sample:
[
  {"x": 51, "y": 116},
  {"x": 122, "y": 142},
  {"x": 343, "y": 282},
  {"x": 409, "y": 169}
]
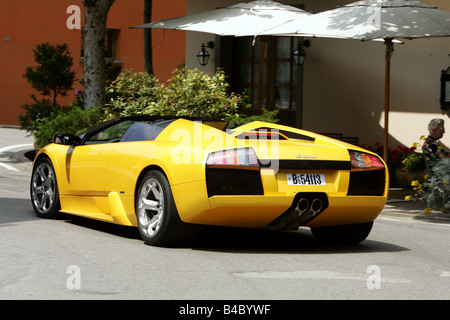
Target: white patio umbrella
[
  {"x": 371, "y": 20},
  {"x": 243, "y": 19}
]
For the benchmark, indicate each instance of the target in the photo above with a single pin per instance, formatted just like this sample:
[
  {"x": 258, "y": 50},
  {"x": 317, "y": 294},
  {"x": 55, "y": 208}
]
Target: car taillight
[
  {"x": 368, "y": 176},
  {"x": 244, "y": 158},
  {"x": 362, "y": 160}
]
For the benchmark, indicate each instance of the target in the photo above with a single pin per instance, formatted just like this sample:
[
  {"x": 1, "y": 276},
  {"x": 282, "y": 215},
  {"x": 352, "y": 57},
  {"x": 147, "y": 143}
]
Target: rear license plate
[{"x": 306, "y": 179}]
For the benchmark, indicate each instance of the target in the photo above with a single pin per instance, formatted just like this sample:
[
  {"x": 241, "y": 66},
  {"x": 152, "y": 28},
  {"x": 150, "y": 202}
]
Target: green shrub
[
  {"x": 132, "y": 94},
  {"x": 266, "y": 116},
  {"x": 413, "y": 162},
  {"x": 35, "y": 113},
  {"x": 194, "y": 93},
  {"x": 435, "y": 191},
  {"x": 73, "y": 120},
  {"x": 188, "y": 93}
]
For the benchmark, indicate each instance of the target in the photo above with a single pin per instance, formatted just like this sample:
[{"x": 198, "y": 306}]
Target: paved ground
[{"x": 16, "y": 158}]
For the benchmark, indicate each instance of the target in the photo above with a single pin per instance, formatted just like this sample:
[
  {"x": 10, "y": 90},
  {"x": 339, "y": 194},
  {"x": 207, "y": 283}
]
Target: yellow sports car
[{"x": 165, "y": 175}]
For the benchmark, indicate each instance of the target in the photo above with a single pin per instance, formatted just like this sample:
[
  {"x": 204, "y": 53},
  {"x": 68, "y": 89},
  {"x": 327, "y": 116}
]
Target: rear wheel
[
  {"x": 44, "y": 189},
  {"x": 345, "y": 234},
  {"x": 157, "y": 216}
]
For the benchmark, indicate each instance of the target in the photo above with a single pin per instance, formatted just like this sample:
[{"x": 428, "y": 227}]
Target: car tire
[
  {"x": 158, "y": 221},
  {"x": 345, "y": 234},
  {"x": 44, "y": 189}
]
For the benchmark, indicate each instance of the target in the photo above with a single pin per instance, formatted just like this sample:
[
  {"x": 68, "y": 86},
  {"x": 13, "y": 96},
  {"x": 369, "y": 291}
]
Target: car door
[{"x": 87, "y": 164}]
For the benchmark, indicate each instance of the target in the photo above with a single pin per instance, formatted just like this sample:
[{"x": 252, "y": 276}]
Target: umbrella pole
[
  {"x": 388, "y": 44},
  {"x": 261, "y": 74}
]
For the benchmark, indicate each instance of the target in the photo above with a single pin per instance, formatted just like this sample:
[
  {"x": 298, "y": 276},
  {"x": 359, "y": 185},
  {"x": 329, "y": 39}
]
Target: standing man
[{"x": 432, "y": 148}]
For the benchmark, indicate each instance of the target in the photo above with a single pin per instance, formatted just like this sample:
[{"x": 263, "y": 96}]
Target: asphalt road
[{"x": 73, "y": 258}]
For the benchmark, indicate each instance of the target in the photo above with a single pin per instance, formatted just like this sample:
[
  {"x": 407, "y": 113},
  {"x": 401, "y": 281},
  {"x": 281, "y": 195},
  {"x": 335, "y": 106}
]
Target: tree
[
  {"x": 148, "y": 52},
  {"x": 95, "y": 16},
  {"x": 53, "y": 75}
]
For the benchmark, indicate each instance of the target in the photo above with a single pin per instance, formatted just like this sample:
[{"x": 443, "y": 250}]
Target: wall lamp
[
  {"x": 299, "y": 53},
  {"x": 203, "y": 55}
]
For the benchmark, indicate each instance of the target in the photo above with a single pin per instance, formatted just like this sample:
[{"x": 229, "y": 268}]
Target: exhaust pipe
[
  {"x": 316, "y": 207},
  {"x": 302, "y": 206},
  {"x": 305, "y": 207}
]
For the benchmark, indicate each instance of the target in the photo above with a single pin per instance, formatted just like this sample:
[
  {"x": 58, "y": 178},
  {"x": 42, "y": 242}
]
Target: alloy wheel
[
  {"x": 43, "y": 188},
  {"x": 151, "y": 207}
]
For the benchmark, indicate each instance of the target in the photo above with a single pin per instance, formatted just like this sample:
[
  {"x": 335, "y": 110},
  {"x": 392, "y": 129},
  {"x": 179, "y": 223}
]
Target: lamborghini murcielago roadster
[{"x": 164, "y": 175}]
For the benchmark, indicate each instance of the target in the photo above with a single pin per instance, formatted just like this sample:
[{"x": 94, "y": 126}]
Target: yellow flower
[
  {"x": 427, "y": 210},
  {"x": 415, "y": 183},
  {"x": 445, "y": 181},
  {"x": 426, "y": 177},
  {"x": 422, "y": 137},
  {"x": 407, "y": 198}
]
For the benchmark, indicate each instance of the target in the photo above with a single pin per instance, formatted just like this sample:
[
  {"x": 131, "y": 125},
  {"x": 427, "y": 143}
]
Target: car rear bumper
[
  {"x": 339, "y": 206},
  {"x": 255, "y": 211},
  {"x": 261, "y": 211}
]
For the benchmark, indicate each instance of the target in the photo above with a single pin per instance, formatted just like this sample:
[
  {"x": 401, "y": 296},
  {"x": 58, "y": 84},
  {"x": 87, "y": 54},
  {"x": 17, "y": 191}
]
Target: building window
[{"x": 267, "y": 72}]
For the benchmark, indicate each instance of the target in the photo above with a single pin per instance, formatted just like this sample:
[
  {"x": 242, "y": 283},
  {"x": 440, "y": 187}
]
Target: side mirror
[{"x": 66, "y": 139}]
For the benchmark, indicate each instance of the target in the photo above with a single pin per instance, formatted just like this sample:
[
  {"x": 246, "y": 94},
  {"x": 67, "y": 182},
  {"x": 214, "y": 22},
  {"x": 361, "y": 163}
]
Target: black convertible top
[{"x": 216, "y": 123}]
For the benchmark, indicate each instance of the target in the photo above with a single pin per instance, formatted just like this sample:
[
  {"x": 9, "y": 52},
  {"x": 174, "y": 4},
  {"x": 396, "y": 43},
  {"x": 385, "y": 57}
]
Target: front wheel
[
  {"x": 345, "y": 234},
  {"x": 158, "y": 221},
  {"x": 44, "y": 189}
]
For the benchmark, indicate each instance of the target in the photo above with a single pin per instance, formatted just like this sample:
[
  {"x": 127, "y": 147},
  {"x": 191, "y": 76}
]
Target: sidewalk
[{"x": 397, "y": 205}]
